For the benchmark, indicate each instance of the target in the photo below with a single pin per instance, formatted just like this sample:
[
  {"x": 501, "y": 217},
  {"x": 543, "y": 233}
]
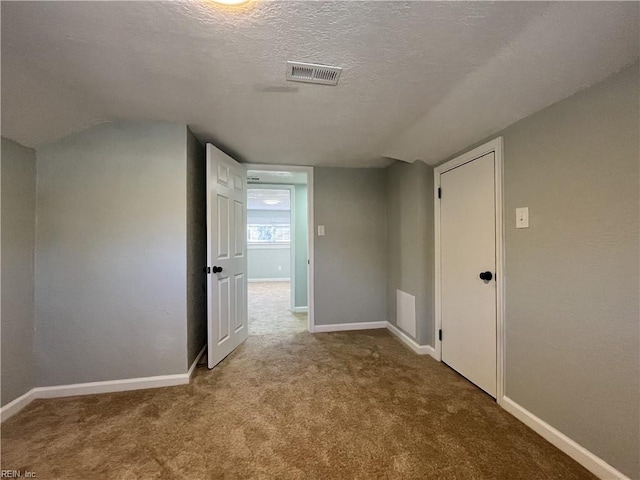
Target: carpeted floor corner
[
  {"x": 352, "y": 405},
  {"x": 288, "y": 405}
]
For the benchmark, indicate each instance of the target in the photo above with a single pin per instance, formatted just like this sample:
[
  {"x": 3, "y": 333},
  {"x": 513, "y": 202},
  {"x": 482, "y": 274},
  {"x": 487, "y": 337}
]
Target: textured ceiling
[{"x": 421, "y": 79}]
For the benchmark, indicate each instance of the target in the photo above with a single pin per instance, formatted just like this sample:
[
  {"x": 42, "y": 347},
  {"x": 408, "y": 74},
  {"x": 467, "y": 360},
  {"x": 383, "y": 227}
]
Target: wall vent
[
  {"x": 406, "y": 312},
  {"x": 313, "y": 73}
]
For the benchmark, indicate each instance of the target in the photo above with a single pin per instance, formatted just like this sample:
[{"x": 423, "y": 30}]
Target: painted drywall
[
  {"x": 269, "y": 262},
  {"x": 17, "y": 240},
  {"x": 271, "y": 217},
  {"x": 410, "y": 244},
  {"x": 196, "y": 247},
  {"x": 111, "y": 270},
  {"x": 301, "y": 253},
  {"x": 351, "y": 258},
  {"x": 571, "y": 279}
]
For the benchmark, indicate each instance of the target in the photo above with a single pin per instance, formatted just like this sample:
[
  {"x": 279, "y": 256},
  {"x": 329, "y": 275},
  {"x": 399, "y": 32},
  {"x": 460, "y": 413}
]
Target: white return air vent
[{"x": 313, "y": 73}]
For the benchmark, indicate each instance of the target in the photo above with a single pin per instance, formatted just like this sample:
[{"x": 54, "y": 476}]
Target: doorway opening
[{"x": 278, "y": 250}]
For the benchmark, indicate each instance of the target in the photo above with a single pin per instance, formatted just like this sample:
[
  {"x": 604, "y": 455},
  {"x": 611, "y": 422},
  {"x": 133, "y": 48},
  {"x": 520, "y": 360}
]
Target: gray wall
[
  {"x": 572, "y": 278},
  {"x": 196, "y": 247},
  {"x": 277, "y": 217},
  {"x": 301, "y": 222},
  {"x": 263, "y": 262},
  {"x": 351, "y": 259},
  {"x": 410, "y": 249},
  {"x": 111, "y": 270},
  {"x": 18, "y": 184}
]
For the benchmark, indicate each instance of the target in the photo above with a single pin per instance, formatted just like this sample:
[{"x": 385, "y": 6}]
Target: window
[
  {"x": 268, "y": 233},
  {"x": 268, "y": 216}
]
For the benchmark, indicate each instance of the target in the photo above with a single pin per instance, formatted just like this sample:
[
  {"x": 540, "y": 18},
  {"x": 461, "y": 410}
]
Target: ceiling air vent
[{"x": 313, "y": 73}]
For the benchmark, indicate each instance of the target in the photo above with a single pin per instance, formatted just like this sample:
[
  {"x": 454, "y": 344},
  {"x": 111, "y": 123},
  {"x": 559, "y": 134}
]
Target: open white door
[{"x": 226, "y": 255}]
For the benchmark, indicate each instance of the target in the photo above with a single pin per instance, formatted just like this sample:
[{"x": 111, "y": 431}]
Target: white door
[
  {"x": 226, "y": 255},
  {"x": 468, "y": 253}
]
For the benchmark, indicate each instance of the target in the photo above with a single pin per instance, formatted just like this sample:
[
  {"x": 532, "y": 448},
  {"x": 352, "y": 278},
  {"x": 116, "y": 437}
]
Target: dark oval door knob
[
  {"x": 216, "y": 269},
  {"x": 486, "y": 276}
]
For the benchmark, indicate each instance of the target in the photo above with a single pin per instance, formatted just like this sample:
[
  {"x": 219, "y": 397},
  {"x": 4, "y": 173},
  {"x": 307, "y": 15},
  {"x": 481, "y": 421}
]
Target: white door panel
[
  {"x": 240, "y": 301},
  {"x": 468, "y": 247},
  {"x": 226, "y": 250},
  {"x": 240, "y": 235},
  {"x": 223, "y": 309}
]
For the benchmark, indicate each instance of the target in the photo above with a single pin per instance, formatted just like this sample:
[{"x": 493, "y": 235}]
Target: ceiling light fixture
[{"x": 230, "y": 3}]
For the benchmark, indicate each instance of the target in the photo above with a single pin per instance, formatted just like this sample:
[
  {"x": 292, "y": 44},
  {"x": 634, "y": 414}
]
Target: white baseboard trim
[
  {"x": 410, "y": 342},
  {"x": 584, "y": 457},
  {"x": 300, "y": 309},
  {"x": 258, "y": 280},
  {"x": 91, "y": 388},
  {"x": 14, "y": 406},
  {"x": 195, "y": 362},
  {"x": 341, "y": 327},
  {"x": 111, "y": 386}
]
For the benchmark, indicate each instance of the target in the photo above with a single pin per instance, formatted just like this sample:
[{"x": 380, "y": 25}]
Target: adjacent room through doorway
[{"x": 277, "y": 252}]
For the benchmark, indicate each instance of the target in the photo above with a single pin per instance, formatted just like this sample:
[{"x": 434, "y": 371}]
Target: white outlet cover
[{"x": 321, "y": 230}]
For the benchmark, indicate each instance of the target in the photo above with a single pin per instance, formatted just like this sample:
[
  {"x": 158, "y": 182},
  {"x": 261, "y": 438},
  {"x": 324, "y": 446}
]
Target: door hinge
[
  {"x": 439, "y": 192},
  {"x": 207, "y": 269},
  {"x": 440, "y": 334},
  {"x": 308, "y": 262}
]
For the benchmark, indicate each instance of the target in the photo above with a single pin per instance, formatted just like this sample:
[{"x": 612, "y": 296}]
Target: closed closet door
[{"x": 468, "y": 269}]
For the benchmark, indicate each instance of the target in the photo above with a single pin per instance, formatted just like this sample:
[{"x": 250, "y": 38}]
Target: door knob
[
  {"x": 216, "y": 269},
  {"x": 486, "y": 276}
]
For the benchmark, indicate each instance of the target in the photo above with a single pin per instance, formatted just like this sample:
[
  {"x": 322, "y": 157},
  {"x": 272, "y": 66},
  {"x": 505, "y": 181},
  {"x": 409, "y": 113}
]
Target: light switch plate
[
  {"x": 321, "y": 230},
  {"x": 522, "y": 217}
]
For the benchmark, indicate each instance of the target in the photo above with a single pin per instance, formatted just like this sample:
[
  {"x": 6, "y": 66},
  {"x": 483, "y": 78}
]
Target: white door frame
[
  {"x": 495, "y": 146},
  {"x": 311, "y": 228}
]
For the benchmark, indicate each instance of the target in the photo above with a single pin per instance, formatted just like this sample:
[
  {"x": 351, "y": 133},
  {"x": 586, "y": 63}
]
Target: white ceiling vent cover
[{"x": 313, "y": 73}]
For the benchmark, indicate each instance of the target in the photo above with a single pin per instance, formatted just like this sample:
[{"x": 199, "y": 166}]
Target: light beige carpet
[
  {"x": 350, "y": 405},
  {"x": 270, "y": 309}
]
